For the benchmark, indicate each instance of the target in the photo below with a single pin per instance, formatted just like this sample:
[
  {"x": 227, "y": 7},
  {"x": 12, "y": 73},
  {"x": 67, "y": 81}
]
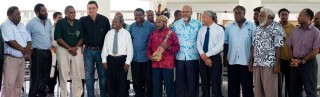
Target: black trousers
[
  {"x": 239, "y": 75},
  {"x": 116, "y": 77},
  {"x": 40, "y": 72},
  {"x": 53, "y": 81},
  {"x": 142, "y": 78},
  {"x": 304, "y": 77},
  {"x": 213, "y": 75},
  {"x": 284, "y": 75}
]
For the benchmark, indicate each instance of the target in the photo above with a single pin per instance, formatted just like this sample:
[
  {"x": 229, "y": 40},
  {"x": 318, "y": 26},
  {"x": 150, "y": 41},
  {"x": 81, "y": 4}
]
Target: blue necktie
[{"x": 206, "y": 41}]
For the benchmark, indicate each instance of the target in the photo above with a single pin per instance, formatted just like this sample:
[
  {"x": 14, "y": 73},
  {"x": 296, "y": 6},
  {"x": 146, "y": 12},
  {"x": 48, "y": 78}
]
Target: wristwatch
[{"x": 303, "y": 62}]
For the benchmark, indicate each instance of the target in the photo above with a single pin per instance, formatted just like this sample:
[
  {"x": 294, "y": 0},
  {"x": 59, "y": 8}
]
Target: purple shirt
[{"x": 303, "y": 41}]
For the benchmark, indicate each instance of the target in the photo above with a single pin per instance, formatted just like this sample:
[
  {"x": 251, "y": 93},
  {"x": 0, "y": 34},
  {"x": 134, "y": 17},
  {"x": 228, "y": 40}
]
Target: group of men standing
[{"x": 258, "y": 53}]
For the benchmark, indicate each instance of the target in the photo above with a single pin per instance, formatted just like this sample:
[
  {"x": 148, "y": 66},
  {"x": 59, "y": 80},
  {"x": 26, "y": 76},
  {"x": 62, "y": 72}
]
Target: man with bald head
[
  {"x": 304, "y": 67},
  {"x": 116, "y": 56},
  {"x": 316, "y": 20},
  {"x": 125, "y": 25},
  {"x": 187, "y": 66}
]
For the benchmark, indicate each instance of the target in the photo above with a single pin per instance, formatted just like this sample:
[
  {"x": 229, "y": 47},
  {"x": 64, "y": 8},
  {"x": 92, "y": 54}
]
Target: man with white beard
[{"x": 265, "y": 54}]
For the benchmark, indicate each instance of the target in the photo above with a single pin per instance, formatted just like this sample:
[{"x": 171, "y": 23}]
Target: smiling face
[
  {"x": 92, "y": 9},
  {"x": 186, "y": 13},
  {"x": 138, "y": 16}
]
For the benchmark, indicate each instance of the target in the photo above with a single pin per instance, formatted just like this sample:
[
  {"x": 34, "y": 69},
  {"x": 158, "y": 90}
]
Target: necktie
[
  {"x": 206, "y": 41},
  {"x": 115, "y": 43}
]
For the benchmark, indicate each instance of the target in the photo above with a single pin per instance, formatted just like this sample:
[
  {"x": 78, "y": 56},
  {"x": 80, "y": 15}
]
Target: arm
[
  {"x": 149, "y": 47},
  {"x": 226, "y": 47},
  {"x": 278, "y": 58},
  {"x": 174, "y": 46},
  {"x": 104, "y": 52},
  {"x": 251, "y": 59},
  {"x": 129, "y": 50}
]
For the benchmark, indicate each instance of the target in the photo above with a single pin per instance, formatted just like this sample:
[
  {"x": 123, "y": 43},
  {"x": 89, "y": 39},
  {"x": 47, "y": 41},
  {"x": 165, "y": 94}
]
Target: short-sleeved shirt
[
  {"x": 40, "y": 33},
  {"x": 70, "y": 34},
  {"x": 140, "y": 36},
  {"x": 95, "y": 31},
  {"x": 303, "y": 41},
  {"x": 239, "y": 40},
  {"x": 284, "y": 51},
  {"x": 19, "y": 33},
  {"x": 187, "y": 36},
  {"x": 265, "y": 44}
]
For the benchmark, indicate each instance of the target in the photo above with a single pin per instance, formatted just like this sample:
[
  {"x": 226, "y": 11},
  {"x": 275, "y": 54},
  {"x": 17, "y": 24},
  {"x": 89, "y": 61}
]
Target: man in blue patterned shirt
[
  {"x": 265, "y": 54},
  {"x": 187, "y": 73}
]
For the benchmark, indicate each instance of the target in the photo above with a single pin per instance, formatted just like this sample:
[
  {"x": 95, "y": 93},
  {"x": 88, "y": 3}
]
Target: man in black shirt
[{"x": 95, "y": 27}]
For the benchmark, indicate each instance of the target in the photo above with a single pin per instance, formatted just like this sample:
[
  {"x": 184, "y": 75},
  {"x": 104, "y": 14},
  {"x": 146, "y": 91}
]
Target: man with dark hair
[
  {"x": 150, "y": 16},
  {"x": 285, "y": 60},
  {"x": 141, "y": 65},
  {"x": 236, "y": 54},
  {"x": 256, "y": 12},
  {"x": 316, "y": 20},
  {"x": 17, "y": 44},
  {"x": 95, "y": 28},
  {"x": 54, "y": 70},
  {"x": 304, "y": 66},
  {"x": 40, "y": 31},
  {"x": 69, "y": 35},
  {"x": 177, "y": 16}
]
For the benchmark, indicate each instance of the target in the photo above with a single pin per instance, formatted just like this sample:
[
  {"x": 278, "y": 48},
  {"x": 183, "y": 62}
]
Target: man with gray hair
[
  {"x": 210, "y": 44},
  {"x": 265, "y": 54}
]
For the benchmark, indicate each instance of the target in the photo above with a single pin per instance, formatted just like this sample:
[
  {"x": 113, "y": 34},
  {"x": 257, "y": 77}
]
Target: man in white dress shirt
[
  {"x": 209, "y": 44},
  {"x": 116, "y": 59}
]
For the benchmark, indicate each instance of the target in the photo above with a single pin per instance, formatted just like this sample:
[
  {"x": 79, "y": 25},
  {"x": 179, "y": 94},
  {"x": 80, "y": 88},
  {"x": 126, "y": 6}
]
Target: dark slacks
[
  {"x": 187, "y": 78},
  {"x": 284, "y": 76},
  {"x": 239, "y": 75},
  {"x": 40, "y": 72},
  {"x": 116, "y": 76},
  {"x": 213, "y": 75},
  {"x": 142, "y": 78},
  {"x": 304, "y": 77},
  {"x": 159, "y": 75}
]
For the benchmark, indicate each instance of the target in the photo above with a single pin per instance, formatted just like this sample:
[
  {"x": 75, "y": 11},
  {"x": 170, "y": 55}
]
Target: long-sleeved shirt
[
  {"x": 40, "y": 33},
  {"x": 155, "y": 40},
  {"x": 216, "y": 40},
  {"x": 187, "y": 36},
  {"x": 19, "y": 33},
  {"x": 140, "y": 35},
  {"x": 124, "y": 45},
  {"x": 239, "y": 40}
]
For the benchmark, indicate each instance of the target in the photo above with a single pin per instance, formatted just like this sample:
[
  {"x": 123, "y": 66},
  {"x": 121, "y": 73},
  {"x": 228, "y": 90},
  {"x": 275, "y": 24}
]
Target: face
[
  {"x": 284, "y": 16},
  {"x": 150, "y": 16},
  {"x": 179, "y": 16},
  {"x": 316, "y": 20},
  {"x": 255, "y": 16},
  {"x": 92, "y": 9},
  {"x": 186, "y": 13},
  {"x": 42, "y": 14},
  {"x": 262, "y": 18},
  {"x": 303, "y": 17},
  {"x": 71, "y": 14},
  {"x": 160, "y": 24},
  {"x": 58, "y": 17},
  {"x": 238, "y": 15},
  {"x": 206, "y": 20},
  {"x": 138, "y": 16},
  {"x": 15, "y": 17},
  {"x": 116, "y": 24}
]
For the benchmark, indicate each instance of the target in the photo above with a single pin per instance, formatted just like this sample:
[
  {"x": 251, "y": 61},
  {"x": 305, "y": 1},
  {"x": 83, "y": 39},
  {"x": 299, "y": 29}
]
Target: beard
[
  {"x": 42, "y": 17},
  {"x": 185, "y": 18},
  {"x": 264, "y": 22}
]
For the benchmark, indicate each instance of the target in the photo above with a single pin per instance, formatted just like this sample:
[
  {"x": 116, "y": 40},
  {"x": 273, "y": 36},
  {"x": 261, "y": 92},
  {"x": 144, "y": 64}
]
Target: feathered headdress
[{"x": 162, "y": 13}]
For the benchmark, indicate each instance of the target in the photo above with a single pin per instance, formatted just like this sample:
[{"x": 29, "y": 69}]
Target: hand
[
  {"x": 73, "y": 49},
  {"x": 73, "y": 53},
  {"x": 295, "y": 62},
  {"x": 276, "y": 69},
  {"x": 208, "y": 62},
  {"x": 225, "y": 62},
  {"x": 28, "y": 51},
  {"x": 105, "y": 66},
  {"x": 203, "y": 56},
  {"x": 54, "y": 49},
  {"x": 126, "y": 67},
  {"x": 250, "y": 67},
  {"x": 152, "y": 59},
  {"x": 164, "y": 45}
]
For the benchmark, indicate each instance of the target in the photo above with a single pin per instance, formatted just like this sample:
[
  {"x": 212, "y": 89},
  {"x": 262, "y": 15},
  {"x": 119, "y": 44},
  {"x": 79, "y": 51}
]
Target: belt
[
  {"x": 117, "y": 56},
  {"x": 13, "y": 56},
  {"x": 93, "y": 48}
]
